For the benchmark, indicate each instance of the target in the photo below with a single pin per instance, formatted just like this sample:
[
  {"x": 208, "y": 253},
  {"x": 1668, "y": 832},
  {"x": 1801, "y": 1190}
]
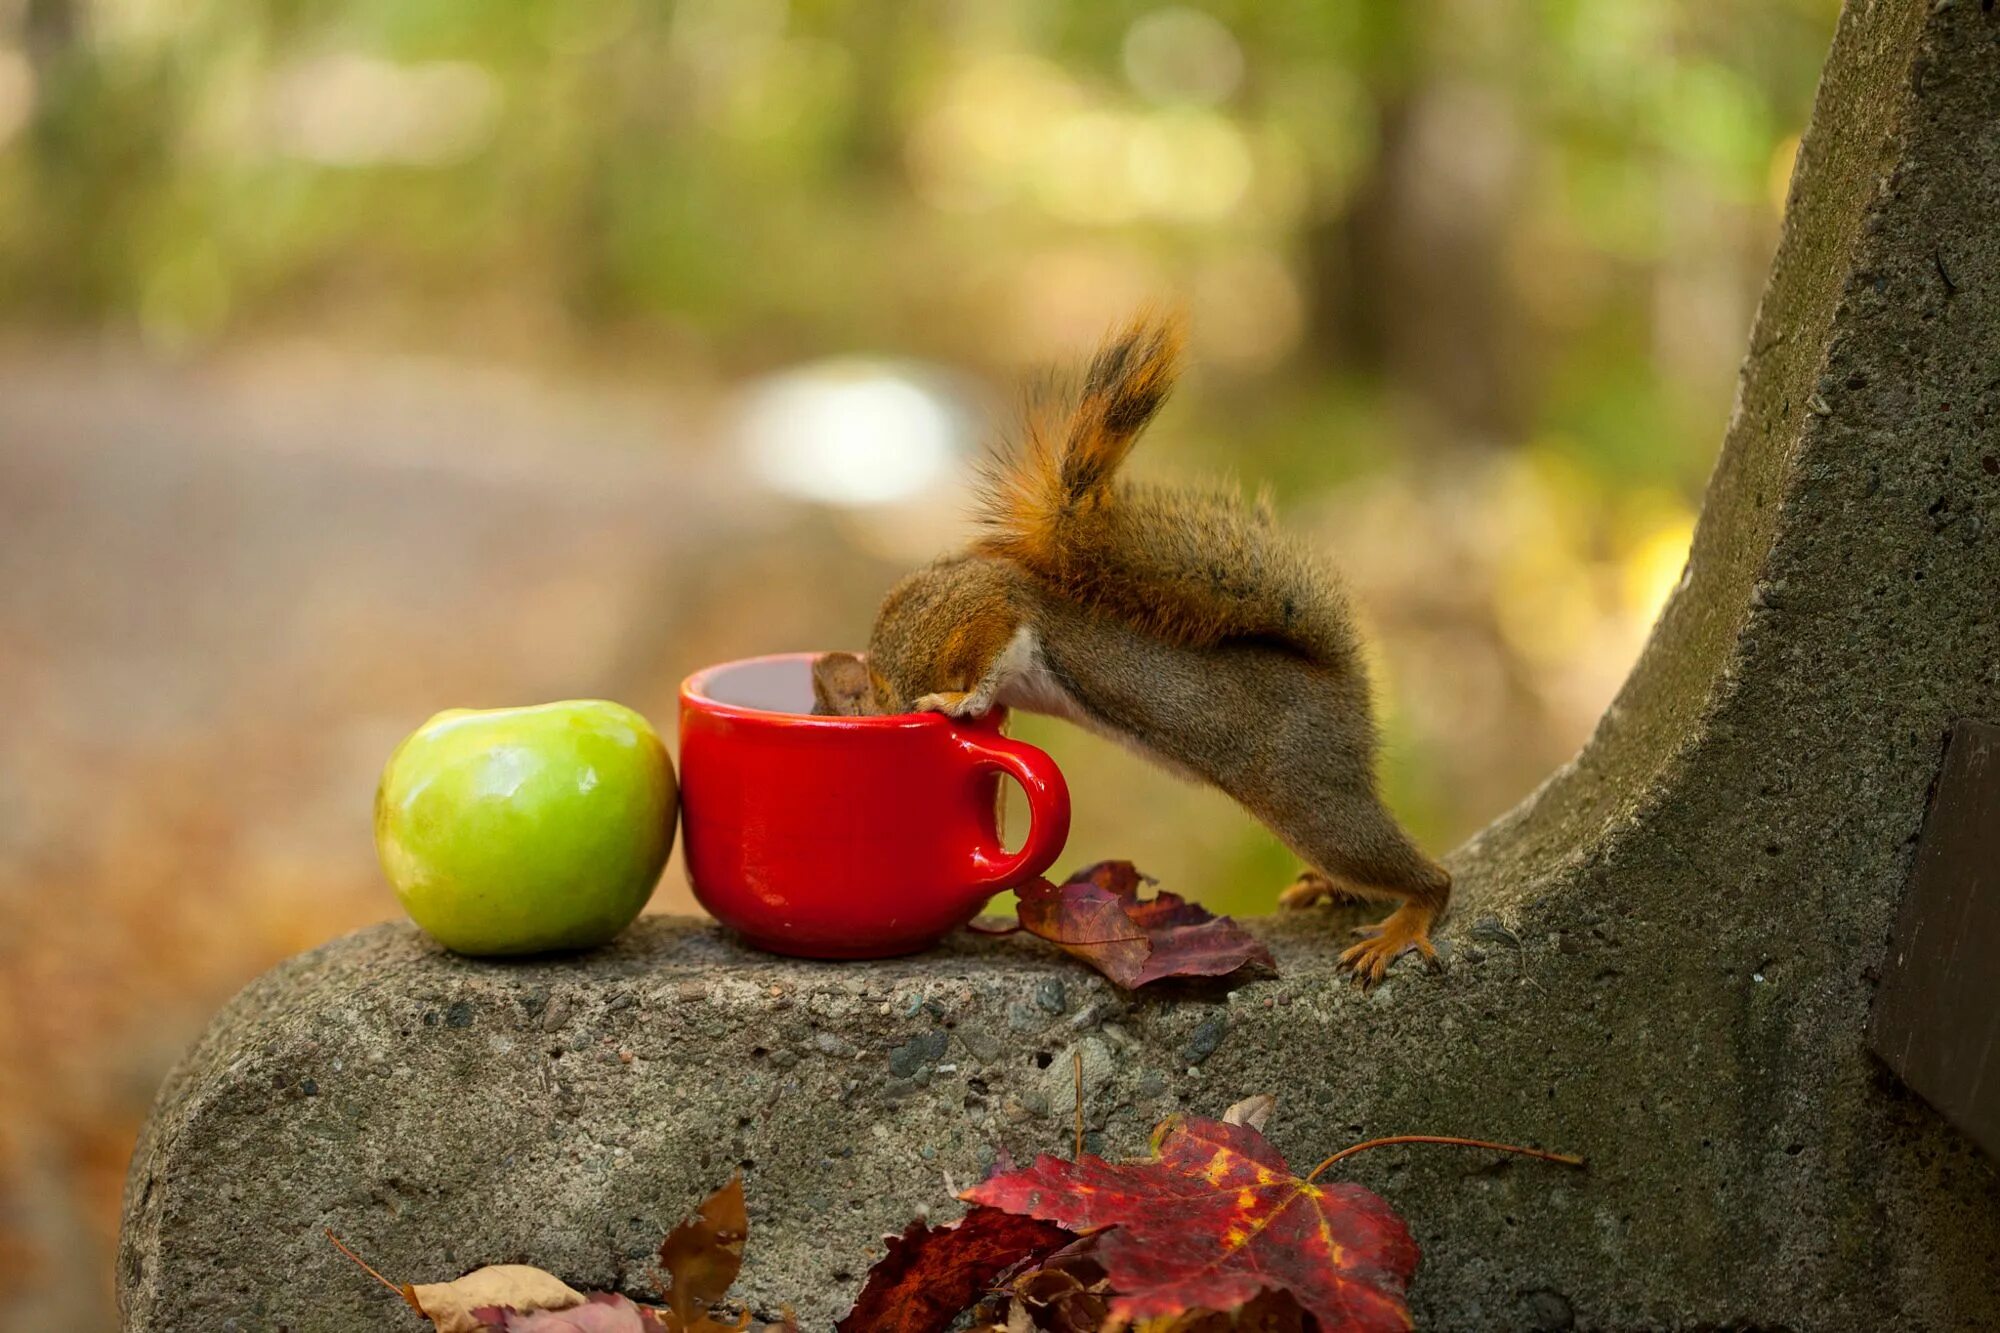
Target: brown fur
[
  {"x": 1180, "y": 620},
  {"x": 952, "y": 619},
  {"x": 1192, "y": 566},
  {"x": 841, "y": 686}
]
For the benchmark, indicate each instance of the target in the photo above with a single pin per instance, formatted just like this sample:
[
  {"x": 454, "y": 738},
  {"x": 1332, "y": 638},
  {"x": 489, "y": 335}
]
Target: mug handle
[{"x": 995, "y": 870}]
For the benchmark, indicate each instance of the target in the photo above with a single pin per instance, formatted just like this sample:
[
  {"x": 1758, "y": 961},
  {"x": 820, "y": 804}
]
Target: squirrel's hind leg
[
  {"x": 1406, "y": 928},
  {"x": 1368, "y": 857},
  {"x": 1314, "y": 887}
]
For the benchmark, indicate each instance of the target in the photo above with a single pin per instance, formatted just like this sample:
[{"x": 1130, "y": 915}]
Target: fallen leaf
[
  {"x": 1088, "y": 921},
  {"x": 599, "y": 1313},
  {"x": 1191, "y": 941},
  {"x": 1251, "y": 1111},
  {"x": 450, "y": 1305},
  {"x": 1271, "y": 1312},
  {"x": 1266, "y": 1312},
  {"x": 930, "y": 1275},
  {"x": 1098, "y": 916},
  {"x": 702, "y": 1256},
  {"x": 1067, "y": 1293},
  {"x": 1215, "y": 1217}
]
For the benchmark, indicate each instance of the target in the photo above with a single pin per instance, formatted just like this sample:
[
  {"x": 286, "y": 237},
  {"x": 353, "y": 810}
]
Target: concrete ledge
[{"x": 440, "y": 1113}]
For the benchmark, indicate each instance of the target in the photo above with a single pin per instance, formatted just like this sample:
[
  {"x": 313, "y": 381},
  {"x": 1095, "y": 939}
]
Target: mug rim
[{"x": 694, "y": 692}]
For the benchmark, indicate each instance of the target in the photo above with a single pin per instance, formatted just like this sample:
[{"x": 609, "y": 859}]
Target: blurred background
[{"x": 363, "y": 359}]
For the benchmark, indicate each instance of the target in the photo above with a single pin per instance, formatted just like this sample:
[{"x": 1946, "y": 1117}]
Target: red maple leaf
[
  {"x": 1216, "y": 1216},
  {"x": 930, "y": 1274},
  {"x": 1098, "y": 916}
]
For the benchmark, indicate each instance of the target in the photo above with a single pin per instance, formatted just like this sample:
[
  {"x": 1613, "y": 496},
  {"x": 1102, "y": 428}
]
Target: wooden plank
[{"x": 1937, "y": 1015}]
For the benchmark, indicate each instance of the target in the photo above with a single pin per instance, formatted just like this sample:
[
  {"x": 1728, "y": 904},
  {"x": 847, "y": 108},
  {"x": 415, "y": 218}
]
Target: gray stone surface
[{"x": 1663, "y": 960}]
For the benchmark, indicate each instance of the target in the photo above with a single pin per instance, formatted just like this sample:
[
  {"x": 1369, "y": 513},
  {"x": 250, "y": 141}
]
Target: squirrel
[{"x": 1180, "y": 622}]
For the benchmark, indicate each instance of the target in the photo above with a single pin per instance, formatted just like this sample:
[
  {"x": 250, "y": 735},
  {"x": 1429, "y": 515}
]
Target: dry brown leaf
[
  {"x": 1067, "y": 1294},
  {"x": 701, "y": 1258},
  {"x": 1098, "y": 916},
  {"x": 1251, "y": 1111},
  {"x": 603, "y": 1312},
  {"x": 449, "y": 1305}
]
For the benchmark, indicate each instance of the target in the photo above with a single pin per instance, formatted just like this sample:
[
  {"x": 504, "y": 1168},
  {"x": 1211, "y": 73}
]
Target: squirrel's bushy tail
[
  {"x": 1065, "y": 466},
  {"x": 1191, "y": 566}
]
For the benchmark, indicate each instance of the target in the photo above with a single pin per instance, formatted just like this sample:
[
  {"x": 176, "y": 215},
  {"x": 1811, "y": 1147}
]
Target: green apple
[{"x": 517, "y": 830}]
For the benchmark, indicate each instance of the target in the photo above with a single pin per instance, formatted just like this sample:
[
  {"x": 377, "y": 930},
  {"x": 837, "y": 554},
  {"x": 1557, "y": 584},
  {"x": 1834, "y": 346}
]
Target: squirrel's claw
[{"x": 1406, "y": 928}]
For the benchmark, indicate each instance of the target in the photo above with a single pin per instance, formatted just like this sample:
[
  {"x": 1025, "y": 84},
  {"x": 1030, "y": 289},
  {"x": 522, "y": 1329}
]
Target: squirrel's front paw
[{"x": 954, "y": 703}]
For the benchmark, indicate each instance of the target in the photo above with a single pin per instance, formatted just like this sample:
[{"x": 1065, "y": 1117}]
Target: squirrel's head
[
  {"x": 914, "y": 649},
  {"x": 843, "y": 687}
]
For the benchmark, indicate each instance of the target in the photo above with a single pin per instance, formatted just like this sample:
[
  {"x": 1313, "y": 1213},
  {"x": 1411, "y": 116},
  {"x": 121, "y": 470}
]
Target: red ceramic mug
[{"x": 849, "y": 837}]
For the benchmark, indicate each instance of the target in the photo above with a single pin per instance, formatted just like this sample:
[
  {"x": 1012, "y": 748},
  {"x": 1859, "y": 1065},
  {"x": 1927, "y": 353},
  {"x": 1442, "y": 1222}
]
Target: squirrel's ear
[{"x": 842, "y": 687}]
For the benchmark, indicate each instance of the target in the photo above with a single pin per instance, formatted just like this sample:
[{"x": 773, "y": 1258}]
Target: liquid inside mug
[{"x": 849, "y": 837}]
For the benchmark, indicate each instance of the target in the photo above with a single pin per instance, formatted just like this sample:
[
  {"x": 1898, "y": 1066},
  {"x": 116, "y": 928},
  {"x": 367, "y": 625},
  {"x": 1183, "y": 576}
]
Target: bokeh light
[
  {"x": 17, "y": 93},
  {"x": 353, "y": 110},
  {"x": 1179, "y": 54},
  {"x": 851, "y": 432}
]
